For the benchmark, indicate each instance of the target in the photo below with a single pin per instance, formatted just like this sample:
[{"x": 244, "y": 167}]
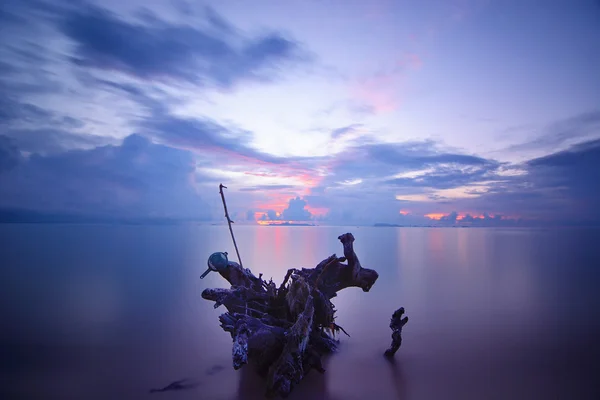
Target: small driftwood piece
[
  {"x": 284, "y": 331},
  {"x": 396, "y": 325}
]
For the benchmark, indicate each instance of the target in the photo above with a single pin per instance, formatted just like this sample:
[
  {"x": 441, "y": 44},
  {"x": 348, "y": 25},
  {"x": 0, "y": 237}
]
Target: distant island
[
  {"x": 383, "y": 225},
  {"x": 18, "y": 216},
  {"x": 21, "y": 216},
  {"x": 290, "y": 224}
]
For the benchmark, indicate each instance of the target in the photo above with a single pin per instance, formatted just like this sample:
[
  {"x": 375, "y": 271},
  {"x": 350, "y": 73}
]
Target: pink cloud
[{"x": 381, "y": 91}]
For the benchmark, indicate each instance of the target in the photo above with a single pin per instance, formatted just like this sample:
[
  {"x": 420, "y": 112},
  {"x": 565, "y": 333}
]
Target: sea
[{"x": 113, "y": 311}]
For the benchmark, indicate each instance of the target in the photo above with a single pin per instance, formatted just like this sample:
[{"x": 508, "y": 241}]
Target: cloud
[
  {"x": 204, "y": 135},
  {"x": 419, "y": 154},
  {"x": 563, "y": 187},
  {"x": 261, "y": 188},
  {"x": 574, "y": 172},
  {"x": 370, "y": 182},
  {"x": 48, "y": 105},
  {"x": 135, "y": 179},
  {"x": 51, "y": 140},
  {"x": 426, "y": 178},
  {"x": 39, "y": 130},
  {"x": 9, "y": 154},
  {"x": 378, "y": 92},
  {"x": 155, "y": 49},
  {"x": 12, "y": 110},
  {"x": 408, "y": 164},
  {"x": 296, "y": 211},
  {"x": 584, "y": 126},
  {"x": 340, "y": 132},
  {"x": 76, "y": 79},
  {"x": 272, "y": 215},
  {"x": 447, "y": 176},
  {"x": 450, "y": 218},
  {"x": 220, "y": 143}
]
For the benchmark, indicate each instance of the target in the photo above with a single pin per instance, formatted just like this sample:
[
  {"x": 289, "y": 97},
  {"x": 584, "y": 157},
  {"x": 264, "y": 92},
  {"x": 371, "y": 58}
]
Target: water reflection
[
  {"x": 252, "y": 387},
  {"x": 398, "y": 378},
  {"x": 112, "y": 311}
]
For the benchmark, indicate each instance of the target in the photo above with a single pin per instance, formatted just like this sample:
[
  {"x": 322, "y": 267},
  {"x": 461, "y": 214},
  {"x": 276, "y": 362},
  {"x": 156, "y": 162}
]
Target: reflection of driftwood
[
  {"x": 396, "y": 325},
  {"x": 177, "y": 385},
  {"x": 283, "y": 331}
]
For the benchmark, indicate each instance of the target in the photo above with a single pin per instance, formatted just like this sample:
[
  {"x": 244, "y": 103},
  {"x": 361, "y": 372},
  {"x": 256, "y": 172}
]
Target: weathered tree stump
[
  {"x": 284, "y": 331},
  {"x": 396, "y": 325}
]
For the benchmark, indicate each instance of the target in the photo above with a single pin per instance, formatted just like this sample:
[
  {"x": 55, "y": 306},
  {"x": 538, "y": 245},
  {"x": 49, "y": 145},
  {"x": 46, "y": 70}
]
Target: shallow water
[{"x": 109, "y": 312}]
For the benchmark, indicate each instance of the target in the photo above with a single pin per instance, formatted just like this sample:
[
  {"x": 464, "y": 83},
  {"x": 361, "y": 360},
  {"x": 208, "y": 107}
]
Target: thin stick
[{"x": 229, "y": 222}]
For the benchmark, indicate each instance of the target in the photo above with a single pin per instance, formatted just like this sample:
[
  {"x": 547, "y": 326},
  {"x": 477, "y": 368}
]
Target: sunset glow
[
  {"x": 142, "y": 109},
  {"x": 436, "y": 216}
]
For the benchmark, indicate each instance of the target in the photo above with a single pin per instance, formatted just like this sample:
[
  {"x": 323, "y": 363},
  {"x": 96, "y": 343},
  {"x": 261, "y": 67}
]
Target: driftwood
[
  {"x": 283, "y": 331},
  {"x": 396, "y": 325}
]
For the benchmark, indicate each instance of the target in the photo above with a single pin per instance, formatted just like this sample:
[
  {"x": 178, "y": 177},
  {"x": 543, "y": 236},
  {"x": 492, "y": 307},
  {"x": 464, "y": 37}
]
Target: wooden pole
[{"x": 229, "y": 222}]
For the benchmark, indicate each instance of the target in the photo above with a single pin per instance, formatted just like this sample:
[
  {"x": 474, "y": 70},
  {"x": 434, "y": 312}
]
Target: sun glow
[{"x": 436, "y": 216}]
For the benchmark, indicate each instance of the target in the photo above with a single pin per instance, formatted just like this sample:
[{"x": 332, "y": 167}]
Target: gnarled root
[{"x": 284, "y": 331}]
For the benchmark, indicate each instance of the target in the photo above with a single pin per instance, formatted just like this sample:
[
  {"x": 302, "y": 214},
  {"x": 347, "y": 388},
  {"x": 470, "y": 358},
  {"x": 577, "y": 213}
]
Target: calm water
[{"x": 108, "y": 312}]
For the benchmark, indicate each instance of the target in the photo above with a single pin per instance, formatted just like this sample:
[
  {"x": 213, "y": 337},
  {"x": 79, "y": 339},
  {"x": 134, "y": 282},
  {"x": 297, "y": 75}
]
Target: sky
[{"x": 476, "y": 112}]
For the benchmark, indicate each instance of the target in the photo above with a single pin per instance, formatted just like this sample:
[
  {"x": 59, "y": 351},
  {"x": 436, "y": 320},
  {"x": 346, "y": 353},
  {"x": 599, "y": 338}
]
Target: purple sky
[{"x": 333, "y": 111}]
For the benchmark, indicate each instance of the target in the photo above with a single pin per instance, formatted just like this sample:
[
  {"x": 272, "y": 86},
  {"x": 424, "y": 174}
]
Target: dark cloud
[
  {"x": 136, "y": 179},
  {"x": 447, "y": 177},
  {"x": 213, "y": 52},
  {"x": 488, "y": 220},
  {"x": 54, "y": 140},
  {"x": 204, "y": 135},
  {"x": 339, "y": 132},
  {"x": 9, "y": 154},
  {"x": 450, "y": 218},
  {"x": 142, "y": 176},
  {"x": 12, "y": 110},
  {"x": 272, "y": 215},
  {"x": 26, "y": 48},
  {"x": 217, "y": 54},
  {"x": 579, "y": 127},
  {"x": 10, "y": 12},
  {"x": 376, "y": 163},
  {"x": 361, "y": 188},
  {"x": 418, "y": 155},
  {"x": 38, "y": 130},
  {"x": 574, "y": 172},
  {"x": 224, "y": 144},
  {"x": 563, "y": 188}
]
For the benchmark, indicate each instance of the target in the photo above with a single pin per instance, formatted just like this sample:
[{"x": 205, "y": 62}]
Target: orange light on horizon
[
  {"x": 461, "y": 216},
  {"x": 436, "y": 216},
  {"x": 280, "y": 222},
  {"x": 403, "y": 212}
]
